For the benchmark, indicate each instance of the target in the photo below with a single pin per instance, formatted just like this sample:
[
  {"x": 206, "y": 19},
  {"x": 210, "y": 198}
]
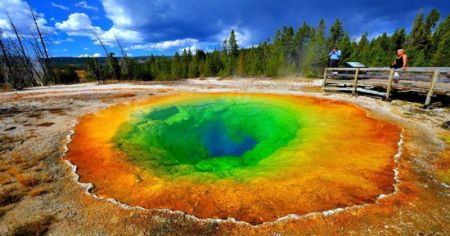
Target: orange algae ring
[{"x": 252, "y": 157}]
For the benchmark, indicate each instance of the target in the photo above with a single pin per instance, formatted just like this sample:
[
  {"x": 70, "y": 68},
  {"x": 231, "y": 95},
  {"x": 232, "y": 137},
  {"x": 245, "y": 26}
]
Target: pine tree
[
  {"x": 177, "y": 67},
  {"x": 316, "y": 53},
  {"x": 240, "y": 70},
  {"x": 301, "y": 39},
  {"x": 361, "y": 50},
  {"x": 439, "y": 36},
  {"x": 430, "y": 22},
  {"x": 417, "y": 33},
  {"x": 398, "y": 40},
  {"x": 94, "y": 70},
  {"x": 113, "y": 68},
  {"x": 287, "y": 45},
  {"x": 379, "y": 51},
  {"x": 345, "y": 45},
  {"x": 194, "y": 68},
  {"x": 417, "y": 42},
  {"x": 336, "y": 33},
  {"x": 233, "y": 46},
  {"x": 442, "y": 55},
  {"x": 429, "y": 26}
]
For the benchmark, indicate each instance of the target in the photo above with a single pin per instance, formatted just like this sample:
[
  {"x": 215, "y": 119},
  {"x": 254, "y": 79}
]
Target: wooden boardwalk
[{"x": 431, "y": 81}]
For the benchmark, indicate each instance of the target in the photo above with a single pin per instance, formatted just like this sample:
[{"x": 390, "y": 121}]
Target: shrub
[{"x": 67, "y": 75}]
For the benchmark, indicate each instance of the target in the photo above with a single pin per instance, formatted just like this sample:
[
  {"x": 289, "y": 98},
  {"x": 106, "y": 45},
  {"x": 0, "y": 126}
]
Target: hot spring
[{"x": 252, "y": 157}]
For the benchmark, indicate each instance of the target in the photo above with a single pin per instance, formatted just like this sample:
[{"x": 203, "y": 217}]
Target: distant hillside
[{"x": 80, "y": 62}]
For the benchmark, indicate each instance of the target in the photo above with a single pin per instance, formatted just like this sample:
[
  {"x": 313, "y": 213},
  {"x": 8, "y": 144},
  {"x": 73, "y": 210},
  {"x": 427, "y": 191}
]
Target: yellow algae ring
[{"x": 252, "y": 157}]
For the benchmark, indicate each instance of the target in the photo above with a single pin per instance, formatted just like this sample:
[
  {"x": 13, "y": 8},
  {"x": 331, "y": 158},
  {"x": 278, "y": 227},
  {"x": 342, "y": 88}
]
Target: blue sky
[{"x": 166, "y": 26}]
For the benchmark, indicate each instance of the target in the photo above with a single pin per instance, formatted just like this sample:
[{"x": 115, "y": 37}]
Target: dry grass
[
  {"x": 46, "y": 178},
  {"x": 26, "y": 180},
  {"x": 37, "y": 227},
  {"x": 10, "y": 196},
  {"x": 46, "y": 124},
  {"x": 123, "y": 95},
  {"x": 5, "y": 178},
  {"x": 35, "y": 115},
  {"x": 5, "y": 88},
  {"x": 38, "y": 192},
  {"x": 165, "y": 90},
  {"x": 17, "y": 159},
  {"x": 39, "y": 158},
  {"x": 82, "y": 74}
]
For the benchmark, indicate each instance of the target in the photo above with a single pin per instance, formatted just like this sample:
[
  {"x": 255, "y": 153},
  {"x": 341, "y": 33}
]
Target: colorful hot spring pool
[{"x": 251, "y": 157}]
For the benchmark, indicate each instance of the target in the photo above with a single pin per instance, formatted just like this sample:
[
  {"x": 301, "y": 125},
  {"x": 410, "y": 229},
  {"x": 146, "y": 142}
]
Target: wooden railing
[{"x": 423, "y": 79}]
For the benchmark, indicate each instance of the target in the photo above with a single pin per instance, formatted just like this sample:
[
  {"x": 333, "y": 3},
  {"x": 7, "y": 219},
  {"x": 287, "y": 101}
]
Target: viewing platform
[{"x": 432, "y": 82}]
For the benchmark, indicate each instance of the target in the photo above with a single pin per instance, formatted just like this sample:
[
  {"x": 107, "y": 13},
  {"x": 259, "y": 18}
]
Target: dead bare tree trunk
[
  {"x": 109, "y": 57},
  {"x": 124, "y": 65},
  {"x": 124, "y": 54},
  {"x": 26, "y": 62},
  {"x": 101, "y": 42},
  {"x": 47, "y": 63},
  {"x": 40, "y": 57},
  {"x": 7, "y": 64}
]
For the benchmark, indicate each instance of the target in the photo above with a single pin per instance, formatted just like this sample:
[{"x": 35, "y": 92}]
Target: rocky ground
[{"x": 39, "y": 195}]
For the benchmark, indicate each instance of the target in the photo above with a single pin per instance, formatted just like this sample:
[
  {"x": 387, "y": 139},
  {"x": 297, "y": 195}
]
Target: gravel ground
[{"x": 38, "y": 194}]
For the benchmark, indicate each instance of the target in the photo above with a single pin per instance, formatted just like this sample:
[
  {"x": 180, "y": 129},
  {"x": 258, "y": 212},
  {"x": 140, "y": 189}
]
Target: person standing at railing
[
  {"x": 401, "y": 62},
  {"x": 335, "y": 56}
]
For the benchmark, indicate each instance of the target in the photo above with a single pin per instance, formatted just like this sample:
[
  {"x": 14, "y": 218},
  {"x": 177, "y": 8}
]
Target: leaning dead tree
[
  {"x": 125, "y": 62},
  {"x": 6, "y": 63},
  {"x": 14, "y": 69},
  {"x": 111, "y": 61},
  {"x": 43, "y": 57},
  {"x": 24, "y": 57},
  {"x": 27, "y": 75}
]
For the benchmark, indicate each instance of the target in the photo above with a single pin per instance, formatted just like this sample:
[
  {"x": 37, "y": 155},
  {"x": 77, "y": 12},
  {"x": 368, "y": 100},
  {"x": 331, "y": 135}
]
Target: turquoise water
[{"x": 221, "y": 137}]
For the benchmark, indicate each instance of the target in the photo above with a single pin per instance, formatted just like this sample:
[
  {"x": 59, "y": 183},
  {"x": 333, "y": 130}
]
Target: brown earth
[{"x": 38, "y": 193}]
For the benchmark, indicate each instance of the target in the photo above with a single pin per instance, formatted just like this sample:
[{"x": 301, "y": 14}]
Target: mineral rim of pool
[{"x": 252, "y": 157}]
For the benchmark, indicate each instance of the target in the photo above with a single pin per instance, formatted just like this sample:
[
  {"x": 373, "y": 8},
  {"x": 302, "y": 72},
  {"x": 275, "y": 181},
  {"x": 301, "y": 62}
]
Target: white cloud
[
  {"x": 171, "y": 22},
  {"x": 164, "y": 45},
  {"x": 243, "y": 35},
  {"x": 135, "y": 22},
  {"x": 125, "y": 35},
  {"x": 59, "y": 41},
  {"x": 78, "y": 24},
  {"x": 21, "y": 15},
  {"x": 62, "y": 7},
  {"x": 85, "y": 5},
  {"x": 89, "y": 55}
]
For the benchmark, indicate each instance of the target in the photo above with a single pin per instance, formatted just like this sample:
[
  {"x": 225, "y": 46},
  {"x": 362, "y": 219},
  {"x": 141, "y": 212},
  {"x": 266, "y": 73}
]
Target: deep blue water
[{"x": 219, "y": 143}]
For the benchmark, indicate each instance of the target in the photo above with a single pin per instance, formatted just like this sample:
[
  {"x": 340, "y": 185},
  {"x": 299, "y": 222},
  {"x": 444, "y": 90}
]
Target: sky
[{"x": 163, "y": 27}]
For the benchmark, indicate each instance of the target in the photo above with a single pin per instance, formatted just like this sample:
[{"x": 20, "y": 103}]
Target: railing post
[
  {"x": 389, "y": 85},
  {"x": 355, "y": 82},
  {"x": 431, "y": 90},
  {"x": 324, "y": 79}
]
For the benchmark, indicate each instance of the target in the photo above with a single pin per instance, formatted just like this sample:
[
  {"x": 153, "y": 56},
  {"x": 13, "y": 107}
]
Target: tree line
[{"x": 290, "y": 52}]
